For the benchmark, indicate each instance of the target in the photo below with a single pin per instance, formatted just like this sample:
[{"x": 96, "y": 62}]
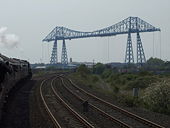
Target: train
[{"x": 12, "y": 70}]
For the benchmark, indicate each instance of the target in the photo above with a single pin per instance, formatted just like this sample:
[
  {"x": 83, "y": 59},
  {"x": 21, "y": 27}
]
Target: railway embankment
[{"x": 152, "y": 102}]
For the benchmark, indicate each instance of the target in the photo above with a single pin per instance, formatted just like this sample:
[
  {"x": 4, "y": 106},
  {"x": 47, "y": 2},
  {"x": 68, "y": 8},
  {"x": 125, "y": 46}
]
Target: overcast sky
[{"x": 32, "y": 20}]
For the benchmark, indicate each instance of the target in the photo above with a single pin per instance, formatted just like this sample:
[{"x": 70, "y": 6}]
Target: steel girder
[
  {"x": 129, "y": 58},
  {"x": 131, "y": 24},
  {"x": 64, "y": 58},
  {"x": 54, "y": 57},
  {"x": 140, "y": 51}
]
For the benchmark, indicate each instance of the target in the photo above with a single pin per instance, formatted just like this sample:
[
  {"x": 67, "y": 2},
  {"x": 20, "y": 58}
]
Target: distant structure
[
  {"x": 71, "y": 60},
  {"x": 54, "y": 57},
  {"x": 64, "y": 58},
  {"x": 127, "y": 26}
]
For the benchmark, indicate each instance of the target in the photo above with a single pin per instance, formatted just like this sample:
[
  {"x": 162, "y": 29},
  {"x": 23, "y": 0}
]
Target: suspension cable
[
  {"x": 42, "y": 57},
  {"x": 153, "y": 45},
  {"x": 160, "y": 41},
  {"x": 108, "y": 57}
]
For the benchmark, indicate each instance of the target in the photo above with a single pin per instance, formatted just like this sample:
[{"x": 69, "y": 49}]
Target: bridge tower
[
  {"x": 140, "y": 51},
  {"x": 54, "y": 58},
  {"x": 64, "y": 58},
  {"x": 129, "y": 58}
]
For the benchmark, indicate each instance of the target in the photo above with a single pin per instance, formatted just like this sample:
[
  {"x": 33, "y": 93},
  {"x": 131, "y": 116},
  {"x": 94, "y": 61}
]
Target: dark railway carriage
[{"x": 12, "y": 70}]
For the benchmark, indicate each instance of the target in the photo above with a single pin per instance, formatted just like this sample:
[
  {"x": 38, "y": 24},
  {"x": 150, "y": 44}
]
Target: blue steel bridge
[{"x": 127, "y": 26}]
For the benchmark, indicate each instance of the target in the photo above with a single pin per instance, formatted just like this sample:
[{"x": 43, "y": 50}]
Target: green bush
[
  {"x": 106, "y": 73},
  {"x": 99, "y": 68},
  {"x": 157, "y": 97},
  {"x": 113, "y": 77},
  {"x": 136, "y": 84},
  {"x": 90, "y": 85},
  {"x": 116, "y": 89},
  {"x": 141, "y": 82},
  {"x": 130, "y": 77},
  {"x": 128, "y": 100},
  {"x": 145, "y": 73},
  {"x": 95, "y": 78},
  {"x": 122, "y": 79},
  {"x": 83, "y": 70}
]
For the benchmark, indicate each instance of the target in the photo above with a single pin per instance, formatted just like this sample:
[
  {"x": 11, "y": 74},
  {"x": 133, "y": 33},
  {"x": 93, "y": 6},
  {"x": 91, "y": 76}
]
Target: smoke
[
  {"x": 2, "y": 30},
  {"x": 8, "y": 40}
]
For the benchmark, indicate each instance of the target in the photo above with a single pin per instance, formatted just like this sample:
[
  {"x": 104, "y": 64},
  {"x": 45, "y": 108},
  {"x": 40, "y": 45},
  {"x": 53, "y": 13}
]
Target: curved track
[
  {"x": 59, "y": 112},
  {"x": 56, "y": 124},
  {"x": 95, "y": 114},
  {"x": 130, "y": 119}
]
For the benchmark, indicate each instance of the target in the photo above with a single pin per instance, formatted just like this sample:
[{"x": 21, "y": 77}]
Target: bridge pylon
[
  {"x": 129, "y": 58},
  {"x": 140, "y": 51},
  {"x": 64, "y": 58},
  {"x": 54, "y": 57}
]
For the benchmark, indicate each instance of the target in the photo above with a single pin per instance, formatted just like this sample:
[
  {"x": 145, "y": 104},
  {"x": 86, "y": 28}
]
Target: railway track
[
  {"x": 130, "y": 119},
  {"x": 59, "y": 112},
  {"x": 96, "y": 115}
]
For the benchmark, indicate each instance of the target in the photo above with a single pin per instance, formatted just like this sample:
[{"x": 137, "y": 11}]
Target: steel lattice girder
[
  {"x": 131, "y": 24},
  {"x": 64, "y": 58}
]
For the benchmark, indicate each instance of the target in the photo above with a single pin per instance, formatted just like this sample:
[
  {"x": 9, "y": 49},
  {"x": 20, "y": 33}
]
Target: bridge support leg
[
  {"x": 129, "y": 58},
  {"x": 140, "y": 51},
  {"x": 54, "y": 58},
  {"x": 64, "y": 59}
]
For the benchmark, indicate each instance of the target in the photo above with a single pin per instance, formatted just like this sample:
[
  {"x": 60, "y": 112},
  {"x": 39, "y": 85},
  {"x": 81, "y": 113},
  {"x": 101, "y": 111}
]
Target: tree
[
  {"x": 167, "y": 65},
  {"x": 155, "y": 61},
  {"x": 83, "y": 70},
  {"x": 99, "y": 68}
]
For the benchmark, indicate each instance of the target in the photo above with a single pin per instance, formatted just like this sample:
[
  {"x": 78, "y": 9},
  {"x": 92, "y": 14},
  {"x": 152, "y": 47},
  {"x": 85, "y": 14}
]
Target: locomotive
[{"x": 12, "y": 70}]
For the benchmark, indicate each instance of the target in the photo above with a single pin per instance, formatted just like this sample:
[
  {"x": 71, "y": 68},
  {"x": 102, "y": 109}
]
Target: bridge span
[{"x": 126, "y": 26}]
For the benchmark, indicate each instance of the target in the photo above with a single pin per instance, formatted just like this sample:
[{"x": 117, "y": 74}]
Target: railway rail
[
  {"x": 128, "y": 118},
  {"x": 59, "y": 112},
  {"x": 96, "y": 115}
]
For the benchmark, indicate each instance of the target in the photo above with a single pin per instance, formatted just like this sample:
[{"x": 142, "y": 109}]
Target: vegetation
[
  {"x": 83, "y": 70},
  {"x": 156, "y": 64},
  {"x": 157, "y": 97},
  {"x": 99, "y": 68},
  {"x": 155, "y": 61},
  {"x": 154, "y": 86}
]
